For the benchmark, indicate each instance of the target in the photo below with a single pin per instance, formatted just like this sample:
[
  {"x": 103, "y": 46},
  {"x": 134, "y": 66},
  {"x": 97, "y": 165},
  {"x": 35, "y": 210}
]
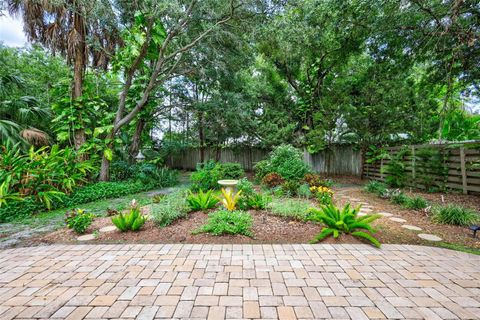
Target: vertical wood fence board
[
  {"x": 339, "y": 160},
  {"x": 461, "y": 162}
]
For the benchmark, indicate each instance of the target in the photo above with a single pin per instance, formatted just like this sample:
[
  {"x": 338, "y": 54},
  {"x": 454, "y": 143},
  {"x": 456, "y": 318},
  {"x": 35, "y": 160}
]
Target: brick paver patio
[{"x": 238, "y": 281}]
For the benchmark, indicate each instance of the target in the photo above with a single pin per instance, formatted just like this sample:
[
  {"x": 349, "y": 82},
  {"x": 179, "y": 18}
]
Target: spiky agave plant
[{"x": 344, "y": 220}]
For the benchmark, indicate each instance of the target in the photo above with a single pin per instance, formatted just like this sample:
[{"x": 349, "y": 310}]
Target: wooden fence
[
  {"x": 187, "y": 159},
  {"x": 337, "y": 160},
  {"x": 455, "y": 166}
]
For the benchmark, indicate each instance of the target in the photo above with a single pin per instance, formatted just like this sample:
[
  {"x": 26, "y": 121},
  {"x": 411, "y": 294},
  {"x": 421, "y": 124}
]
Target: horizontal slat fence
[
  {"x": 336, "y": 160},
  {"x": 457, "y": 167}
]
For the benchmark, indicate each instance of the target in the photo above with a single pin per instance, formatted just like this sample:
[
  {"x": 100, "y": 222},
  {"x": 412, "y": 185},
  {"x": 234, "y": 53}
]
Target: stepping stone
[
  {"x": 365, "y": 209},
  {"x": 410, "y": 227},
  {"x": 360, "y": 214},
  {"x": 385, "y": 214},
  {"x": 354, "y": 199},
  {"x": 365, "y": 204},
  {"x": 429, "y": 237},
  {"x": 108, "y": 229},
  {"x": 86, "y": 237},
  {"x": 398, "y": 219}
]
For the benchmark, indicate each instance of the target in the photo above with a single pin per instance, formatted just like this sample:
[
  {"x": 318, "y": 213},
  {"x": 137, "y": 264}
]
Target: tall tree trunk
[
  {"x": 105, "y": 169},
  {"x": 137, "y": 139},
  {"x": 78, "y": 75},
  {"x": 201, "y": 137}
]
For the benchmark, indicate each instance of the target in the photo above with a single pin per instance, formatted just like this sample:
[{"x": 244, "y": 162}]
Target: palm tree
[
  {"x": 76, "y": 29},
  {"x": 20, "y": 116}
]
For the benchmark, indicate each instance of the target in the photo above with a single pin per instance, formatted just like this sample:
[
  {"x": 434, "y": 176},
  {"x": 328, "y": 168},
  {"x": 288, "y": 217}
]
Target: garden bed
[{"x": 266, "y": 229}]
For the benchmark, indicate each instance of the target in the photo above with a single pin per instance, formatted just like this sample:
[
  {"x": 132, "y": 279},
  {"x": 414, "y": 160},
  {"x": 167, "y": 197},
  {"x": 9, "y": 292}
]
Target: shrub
[
  {"x": 289, "y": 208},
  {"x": 272, "y": 180},
  {"x": 288, "y": 162},
  {"x": 172, "y": 207},
  {"x": 256, "y": 201},
  {"x": 202, "y": 200},
  {"x": 131, "y": 221},
  {"x": 285, "y": 160},
  {"x": 415, "y": 203},
  {"x": 246, "y": 187},
  {"x": 80, "y": 195},
  {"x": 290, "y": 188},
  {"x": 454, "y": 214},
  {"x": 147, "y": 173},
  {"x": 227, "y": 222},
  {"x": 343, "y": 221},
  {"x": 207, "y": 175},
  {"x": 261, "y": 169},
  {"x": 324, "y": 195},
  {"x": 42, "y": 170},
  {"x": 231, "y": 170},
  {"x": 79, "y": 220},
  {"x": 376, "y": 187},
  {"x": 304, "y": 191}
]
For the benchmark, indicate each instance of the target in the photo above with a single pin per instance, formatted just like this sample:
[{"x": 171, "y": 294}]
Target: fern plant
[
  {"x": 344, "y": 220},
  {"x": 230, "y": 199},
  {"x": 133, "y": 221},
  {"x": 202, "y": 200}
]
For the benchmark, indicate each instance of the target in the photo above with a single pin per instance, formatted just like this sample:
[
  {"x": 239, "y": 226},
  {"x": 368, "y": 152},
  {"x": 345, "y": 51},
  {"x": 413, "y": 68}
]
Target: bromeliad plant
[
  {"x": 134, "y": 220},
  {"x": 344, "y": 220},
  {"x": 230, "y": 199},
  {"x": 202, "y": 200}
]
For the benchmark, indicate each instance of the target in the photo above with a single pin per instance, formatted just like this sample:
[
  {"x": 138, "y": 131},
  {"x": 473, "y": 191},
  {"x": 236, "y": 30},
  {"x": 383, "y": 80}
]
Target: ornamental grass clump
[
  {"x": 346, "y": 220},
  {"x": 455, "y": 215}
]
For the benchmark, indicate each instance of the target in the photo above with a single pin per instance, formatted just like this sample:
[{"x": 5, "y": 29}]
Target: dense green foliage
[
  {"x": 79, "y": 220},
  {"x": 250, "y": 199},
  {"x": 207, "y": 175},
  {"x": 455, "y": 215},
  {"x": 224, "y": 222},
  {"x": 89, "y": 193},
  {"x": 346, "y": 220}
]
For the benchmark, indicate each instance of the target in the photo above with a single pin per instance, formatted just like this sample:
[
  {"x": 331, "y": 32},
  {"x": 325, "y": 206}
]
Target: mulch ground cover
[{"x": 272, "y": 229}]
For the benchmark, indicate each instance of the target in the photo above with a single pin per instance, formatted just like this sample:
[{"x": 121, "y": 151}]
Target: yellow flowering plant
[{"x": 323, "y": 194}]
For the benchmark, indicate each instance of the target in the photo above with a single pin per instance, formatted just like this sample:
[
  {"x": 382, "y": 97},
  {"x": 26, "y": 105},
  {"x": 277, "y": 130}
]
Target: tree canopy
[{"x": 112, "y": 78}]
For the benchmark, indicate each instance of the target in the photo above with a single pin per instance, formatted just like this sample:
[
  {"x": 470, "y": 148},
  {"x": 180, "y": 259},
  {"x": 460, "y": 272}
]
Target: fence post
[
  {"x": 381, "y": 169},
  {"x": 413, "y": 167},
  {"x": 463, "y": 170}
]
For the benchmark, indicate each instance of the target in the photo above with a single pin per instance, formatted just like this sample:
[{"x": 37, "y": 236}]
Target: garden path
[{"x": 238, "y": 281}]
